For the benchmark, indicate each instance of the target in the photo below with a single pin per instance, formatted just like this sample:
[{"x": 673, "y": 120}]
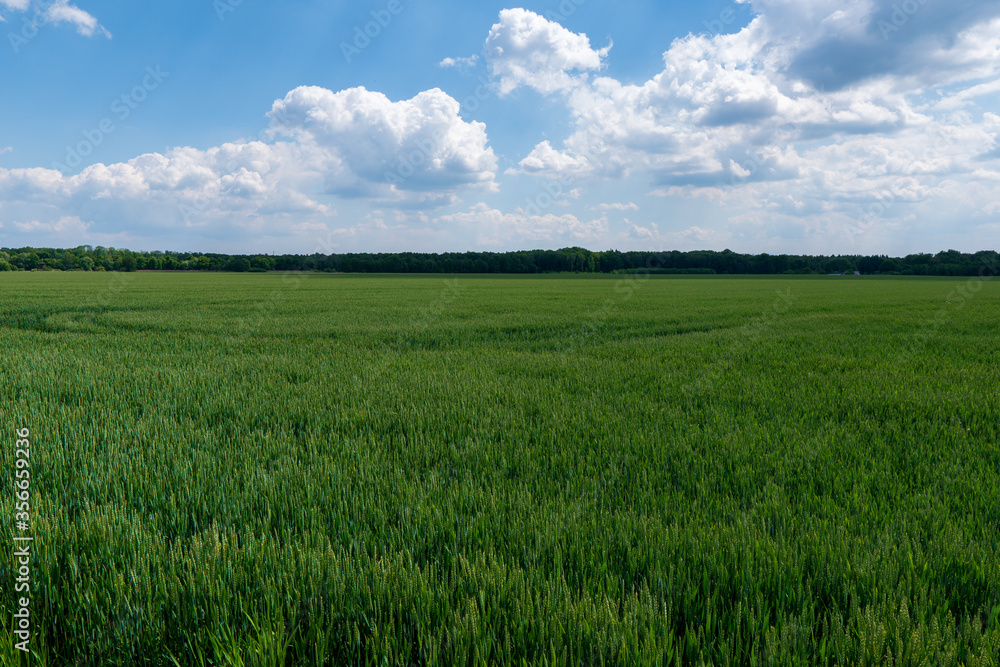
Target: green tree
[
  {"x": 261, "y": 262},
  {"x": 26, "y": 261},
  {"x": 238, "y": 264},
  {"x": 889, "y": 265}
]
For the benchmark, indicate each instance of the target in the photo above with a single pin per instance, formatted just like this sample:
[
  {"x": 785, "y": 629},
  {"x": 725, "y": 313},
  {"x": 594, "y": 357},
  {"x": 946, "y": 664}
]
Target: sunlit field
[{"x": 266, "y": 469}]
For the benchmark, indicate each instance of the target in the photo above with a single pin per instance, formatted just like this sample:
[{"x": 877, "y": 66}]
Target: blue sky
[{"x": 817, "y": 126}]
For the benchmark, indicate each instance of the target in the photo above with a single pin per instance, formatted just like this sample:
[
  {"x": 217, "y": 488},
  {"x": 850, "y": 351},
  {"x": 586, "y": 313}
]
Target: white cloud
[
  {"x": 618, "y": 206},
  {"x": 495, "y": 228},
  {"x": 813, "y": 122},
  {"x": 470, "y": 61},
  {"x": 527, "y": 49},
  {"x": 6, "y": 149},
  {"x": 689, "y": 239},
  {"x": 546, "y": 158},
  {"x": 807, "y": 112},
  {"x": 68, "y": 224},
  {"x": 62, "y": 11},
  {"x": 417, "y": 150},
  {"x": 963, "y": 97},
  {"x": 354, "y": 144},
  {"x": 55, "y": 13}
]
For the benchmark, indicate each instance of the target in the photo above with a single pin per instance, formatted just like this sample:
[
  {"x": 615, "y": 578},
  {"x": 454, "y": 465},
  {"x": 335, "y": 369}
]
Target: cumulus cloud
[
  {"x": 354, "y": 143},
  {"x": 62, "y": 11},
  {"x": 366, "y": 145},
  {"x": 58, "y": 12},
  {"x": 814, "y": 120},
  {"x": 835, "y": 44},
  {"x": 804, "y": 112},
  {"x": 689, "y": 238},
  {"x": 17, "y": 5},
  {"x": 498, "y": 229},
  {"x": 469, "y": 61},
  {"x": 525, "y": 49},
  {"x": 618, "y": 206},
  {"x": 65, "y": 225},
  {"x": 545, "y": 158}
]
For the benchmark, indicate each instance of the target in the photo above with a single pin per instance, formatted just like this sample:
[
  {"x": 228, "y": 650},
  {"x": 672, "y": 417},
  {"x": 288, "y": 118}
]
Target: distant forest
[{"x": 579, "y": 260}]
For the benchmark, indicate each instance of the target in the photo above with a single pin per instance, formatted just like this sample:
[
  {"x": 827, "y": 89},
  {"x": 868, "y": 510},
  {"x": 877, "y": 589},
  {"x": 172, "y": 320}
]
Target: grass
[{"x": 277, "y": 470}]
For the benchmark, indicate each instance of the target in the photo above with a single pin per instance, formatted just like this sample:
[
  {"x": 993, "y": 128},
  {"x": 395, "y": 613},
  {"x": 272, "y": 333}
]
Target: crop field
[{"x": 266, "y": 469}]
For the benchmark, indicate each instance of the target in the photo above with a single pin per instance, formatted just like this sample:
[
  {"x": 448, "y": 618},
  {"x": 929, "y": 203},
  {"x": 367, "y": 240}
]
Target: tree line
[{"x": 578, "y": 260}]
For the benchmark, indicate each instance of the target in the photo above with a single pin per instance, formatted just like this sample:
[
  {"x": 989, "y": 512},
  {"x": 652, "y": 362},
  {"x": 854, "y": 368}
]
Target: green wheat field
[{"x": 273, "y": 469}]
